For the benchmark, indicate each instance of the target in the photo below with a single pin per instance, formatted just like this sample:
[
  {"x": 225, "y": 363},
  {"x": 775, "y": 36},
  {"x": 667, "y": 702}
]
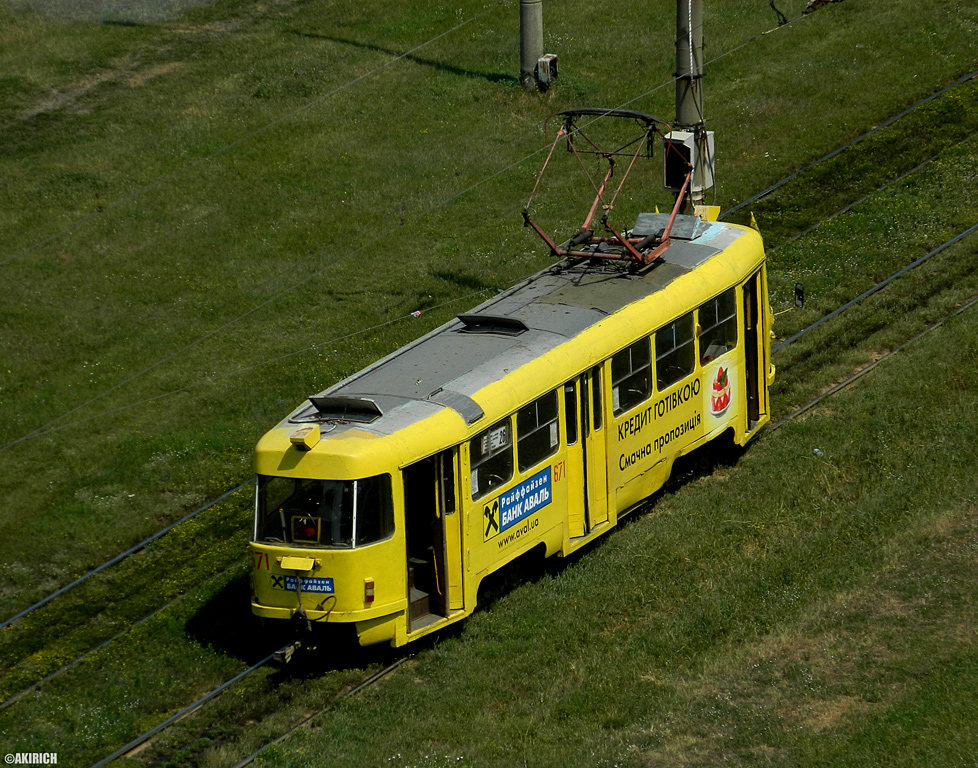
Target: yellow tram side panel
[
  {"x": 672, "y": 422},
  {"x": 696, "y": 409},
  {"x": 503, "y": 525}
]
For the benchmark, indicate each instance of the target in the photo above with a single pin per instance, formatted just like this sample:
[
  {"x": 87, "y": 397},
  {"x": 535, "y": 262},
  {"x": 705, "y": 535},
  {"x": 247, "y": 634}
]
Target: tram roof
[{"x": 447, "y": 367}]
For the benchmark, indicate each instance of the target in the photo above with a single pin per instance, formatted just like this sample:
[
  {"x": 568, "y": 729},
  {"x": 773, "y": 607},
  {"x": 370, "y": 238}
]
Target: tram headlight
[{"x": 368, "y": 591}]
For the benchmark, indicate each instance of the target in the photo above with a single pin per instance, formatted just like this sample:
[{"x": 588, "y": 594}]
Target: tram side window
[
  {"x": 491, "y": 458},
  {"x": 631, "y": 376},
  {"x": 375, "y": 509},
  {"x": 570, "y": 408},
  {"x": 675, "y": 353},
  {"x": 537, "y": 434},
  {"x": 718, "y": 321}
]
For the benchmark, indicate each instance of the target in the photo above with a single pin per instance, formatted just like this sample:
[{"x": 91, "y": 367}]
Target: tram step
[{"x": 419, "y": 603}]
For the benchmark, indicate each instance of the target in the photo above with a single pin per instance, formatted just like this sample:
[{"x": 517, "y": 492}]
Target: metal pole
[
  {"x": 689, "y": 64},
  {"x": 531, "y": 41},
  {"x": 689, "y": 88}
]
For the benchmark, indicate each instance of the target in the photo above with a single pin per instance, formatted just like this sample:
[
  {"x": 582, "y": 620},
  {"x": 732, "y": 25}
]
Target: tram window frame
[
  {"x": 631, "y": 374},
  {"x": 675, "y": 351},
  {"x": 718, "y": 332},
  {"x": 484, "y": 456},
  {"x": 570, "y": 409},
  {"x": 597, "y": 407},
  {"x": 537, "y": 431}
]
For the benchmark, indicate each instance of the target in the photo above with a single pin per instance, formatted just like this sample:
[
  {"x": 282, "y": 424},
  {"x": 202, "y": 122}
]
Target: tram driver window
[
  {"x": 631, "y": 376},
  {"x": 324, "y": 513},
  {"x": 718, "y": 324},
  {"x": 675, "y": 355},
  {"x": 537, "y": 433},
  {"x": 491, "y": 458}
]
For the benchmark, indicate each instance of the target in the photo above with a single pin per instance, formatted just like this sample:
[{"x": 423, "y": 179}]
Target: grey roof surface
[{"x": 448, "y": 366}]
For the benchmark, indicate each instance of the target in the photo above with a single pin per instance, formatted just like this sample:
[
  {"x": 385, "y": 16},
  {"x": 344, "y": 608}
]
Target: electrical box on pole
[
  {"x": 682, "y": 153},
  {"x": 537, "y": 69}
]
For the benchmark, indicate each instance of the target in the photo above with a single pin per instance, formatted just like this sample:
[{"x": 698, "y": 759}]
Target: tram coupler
[{"x": 284, "y": 655}]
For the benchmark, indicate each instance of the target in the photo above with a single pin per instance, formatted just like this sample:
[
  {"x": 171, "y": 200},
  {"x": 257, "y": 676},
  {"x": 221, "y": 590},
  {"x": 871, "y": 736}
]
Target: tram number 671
[{"x": 560, "y": 469}]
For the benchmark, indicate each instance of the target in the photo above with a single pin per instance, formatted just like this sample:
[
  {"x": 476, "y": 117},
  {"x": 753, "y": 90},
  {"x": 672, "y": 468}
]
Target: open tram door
[
  {"x": 586, "y": 453},
  {"x": 434, "y": 539},
  {"x": 754, "y": 350}
]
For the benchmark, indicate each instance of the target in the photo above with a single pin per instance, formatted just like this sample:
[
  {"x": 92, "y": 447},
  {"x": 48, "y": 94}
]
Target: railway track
[
  {"x": 198, "y": 704},
  {"x": 379, "y": 674},
  {"x": 139, "y": 742}
]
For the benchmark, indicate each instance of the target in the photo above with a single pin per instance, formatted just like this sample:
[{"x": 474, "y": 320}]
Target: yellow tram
[{"x": 534, "y": 422}]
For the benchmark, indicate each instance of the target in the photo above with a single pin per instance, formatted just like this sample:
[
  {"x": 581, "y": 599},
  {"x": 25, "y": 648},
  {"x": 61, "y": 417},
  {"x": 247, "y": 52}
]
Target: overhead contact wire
[
  {"x": 45, "y": 429},
  {"x": 876, "y": 288},
  {"x": 228, "y": 147}
]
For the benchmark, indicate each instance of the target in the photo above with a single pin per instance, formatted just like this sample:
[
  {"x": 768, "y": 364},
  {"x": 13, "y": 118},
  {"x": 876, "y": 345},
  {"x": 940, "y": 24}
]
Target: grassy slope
[
  {"x": 153, "y": 295},
  {"x": 261, "y": 250},
  {"x": 105, "y": 109},
  {"x": 791, "y": 611}
]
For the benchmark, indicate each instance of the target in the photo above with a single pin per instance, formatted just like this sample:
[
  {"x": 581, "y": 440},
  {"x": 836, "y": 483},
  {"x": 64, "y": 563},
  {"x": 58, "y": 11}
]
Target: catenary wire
[
  {"x": 147, "y": 541},
  {"x": 139, "y": 546},
  {"x": 50, "y": 426},
  {"x": 228, "y": 147},
  {"x": 46, "y": 428},
  {"x": 932, "y": 253}
]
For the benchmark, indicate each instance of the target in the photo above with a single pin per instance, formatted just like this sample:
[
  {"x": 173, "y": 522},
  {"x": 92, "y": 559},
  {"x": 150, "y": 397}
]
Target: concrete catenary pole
[
  {"x": 531, "y": 41},
  {"x": 689, "y": 87},
  {"x": 689, "y": 64}
]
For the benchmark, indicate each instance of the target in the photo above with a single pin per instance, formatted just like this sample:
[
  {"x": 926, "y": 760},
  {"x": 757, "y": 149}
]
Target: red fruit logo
[{"x": 720, "y": 397}]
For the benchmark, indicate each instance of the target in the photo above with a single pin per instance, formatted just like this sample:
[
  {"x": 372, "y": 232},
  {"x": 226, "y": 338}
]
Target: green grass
[
  {"x": 116, "y": 308},
  {"x": 263, "y": 211}
]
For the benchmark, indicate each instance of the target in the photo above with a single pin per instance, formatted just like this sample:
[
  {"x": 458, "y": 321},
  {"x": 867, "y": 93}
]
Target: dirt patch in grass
[
  {"x": 143, "y": 76},
  {"x": 108, "y": 11}
]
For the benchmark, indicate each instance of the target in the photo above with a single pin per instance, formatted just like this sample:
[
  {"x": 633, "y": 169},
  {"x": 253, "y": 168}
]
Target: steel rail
[
  {"x": 92, "y": 651},
  {"x": 876, "y": 288},
  {"x": 849, "y": 380},
  {"x": 123, "y": 555},
  {"x": 147, "y": 735},
  {"x": 374, "y": 678},
  {"x": 857, "y": 140}
]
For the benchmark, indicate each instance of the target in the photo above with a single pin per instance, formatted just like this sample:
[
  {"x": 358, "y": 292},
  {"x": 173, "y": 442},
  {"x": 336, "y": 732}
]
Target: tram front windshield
[{"x": 324, "y": 513}]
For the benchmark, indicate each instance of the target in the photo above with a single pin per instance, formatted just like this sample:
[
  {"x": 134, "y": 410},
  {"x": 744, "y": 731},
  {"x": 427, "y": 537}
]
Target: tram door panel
[
  {"x": 451, "y": 527},
  {"x": 586, "y": 453},
  {"x": 576, "y": 476},
  {"x": 434, "y": 538},
  {"x": 753, "y": 328},
  {"x": 595, "y": 447}
]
